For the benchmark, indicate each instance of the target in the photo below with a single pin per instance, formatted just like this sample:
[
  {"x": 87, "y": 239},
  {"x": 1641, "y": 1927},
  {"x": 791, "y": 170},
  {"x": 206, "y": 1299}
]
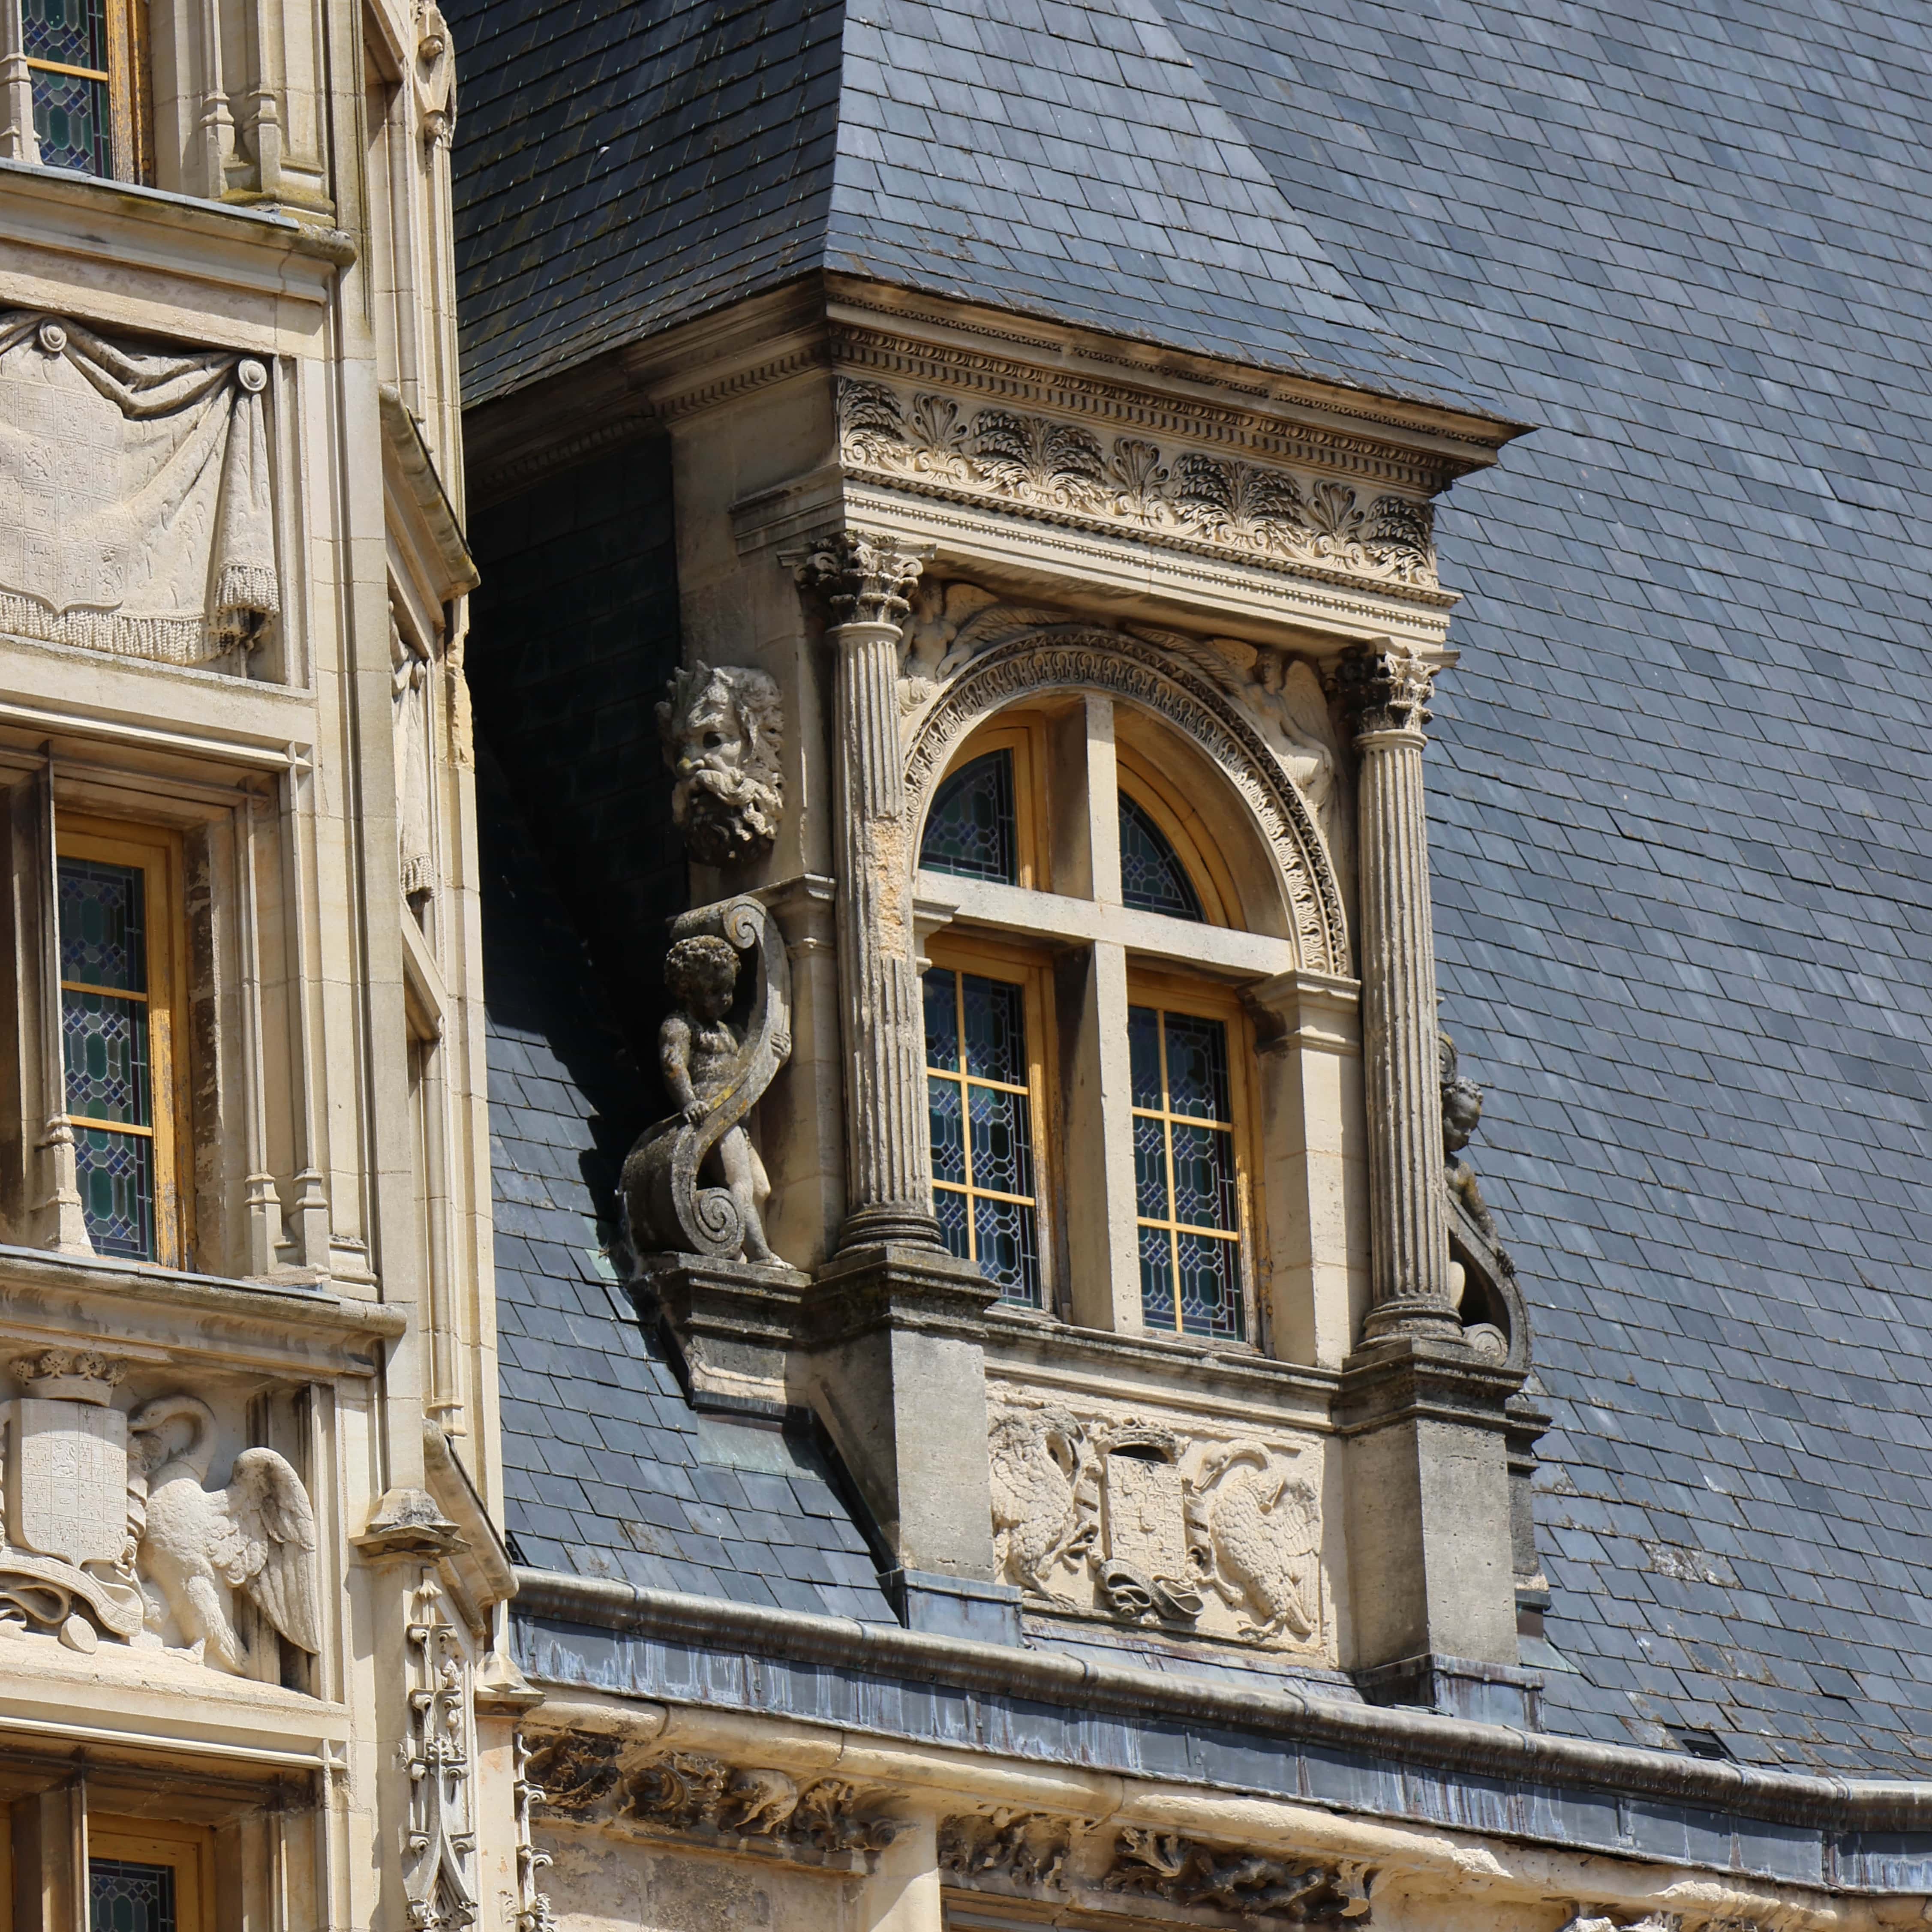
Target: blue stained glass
[
  {"x": 942, "y": 1021},
  {"x": 71, "y": 122},
  {"x": 73, "y": 32},
  {"x": 995, "y": 1030},
  {"x": 106, "y": 1054},
  {"x": 970, "y": 831},
  {"x": 125, "y": 1897},
  {"x": 948, "y": 1138},
  {"x": 1152, "y": 876},
  {"x": 117, "y": 1191},
  {"x": 1144, "y": 1054},
  {"x": 102, "y": 924},
  {"x": 1204, "y": 1177},
  {"x": 1002, "y": 1160},
  {"x": 1003, "y": 1233},
  {"x": 1197, "y": 1067}
]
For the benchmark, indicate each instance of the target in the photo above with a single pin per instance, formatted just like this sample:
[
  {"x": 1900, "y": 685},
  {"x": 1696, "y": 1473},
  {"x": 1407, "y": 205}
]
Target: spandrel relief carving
[
  {"x": 693, "y": 1182},
  {"x": 722, "y": 728},
  {"x": 141, "y": 515},
  {"x": 113, "y": 1530},
  {"x": 1197, "y": 1529}
]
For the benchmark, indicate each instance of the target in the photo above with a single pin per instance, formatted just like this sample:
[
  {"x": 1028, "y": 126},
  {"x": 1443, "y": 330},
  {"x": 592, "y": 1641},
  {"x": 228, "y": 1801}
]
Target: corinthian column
[
  {"x": 867, "y": 580},
  {"x": 1388, "y": 690}
]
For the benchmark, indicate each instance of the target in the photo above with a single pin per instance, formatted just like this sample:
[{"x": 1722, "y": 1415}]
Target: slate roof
[
  {"x": 607, "y": 1471},
  {"x": 623, "y": 164},
  {"x": 1683, "y": 825}
]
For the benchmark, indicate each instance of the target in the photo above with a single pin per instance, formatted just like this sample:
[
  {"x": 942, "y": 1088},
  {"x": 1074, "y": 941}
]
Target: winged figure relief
[
  {"x": 197, "y": 1543},
  {"x": 1036, "y": 1465},
  {"x": 1264, "y": 1527}
]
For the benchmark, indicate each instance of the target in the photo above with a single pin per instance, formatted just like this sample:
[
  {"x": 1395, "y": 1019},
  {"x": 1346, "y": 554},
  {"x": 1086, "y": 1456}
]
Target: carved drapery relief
[
  {"x": 440, "y": 1757},
  {"x": 692, "y": 1792},
  {"x": 113, "y": 1529},
  {"x": 1000, "y": 654},
  {"x": 141, "y": 517},
  {"x": 1132, "y": 486},
  {"x": 715, "y": 1066},
  {"x": 410, "y": 671},
  {"x": 1253, "y": 1884},
  {"x": 1099, "y": 1513},
  {"x": 722, "y": 730}
]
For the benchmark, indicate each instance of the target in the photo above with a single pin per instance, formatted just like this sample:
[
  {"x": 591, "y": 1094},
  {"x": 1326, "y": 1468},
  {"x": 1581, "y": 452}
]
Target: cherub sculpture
[
  {"x": 1462, "y": 1115},
  {"x": 722, "y": 733},
  {"x": 715, "y": 1068}
]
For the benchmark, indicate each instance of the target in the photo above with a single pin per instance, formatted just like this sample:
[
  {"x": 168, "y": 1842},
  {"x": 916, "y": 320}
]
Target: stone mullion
[
  {"x": 889, "y": 1184},
  {"x": 1409, "y": 1230}
]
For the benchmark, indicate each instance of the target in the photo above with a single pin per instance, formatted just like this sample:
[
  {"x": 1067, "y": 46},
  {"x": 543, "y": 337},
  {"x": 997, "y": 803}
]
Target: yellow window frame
[
  {"x": 1182, "y": 825},
  {"x": 130, "y": 111},
  {"x": 1011, "y": 966},
  {"x": 1023, "y": 735},
  {"x": 187, "y": 1850},
  {"x": 156, "y": 853},
  {"x": 1200, "y": 999}
]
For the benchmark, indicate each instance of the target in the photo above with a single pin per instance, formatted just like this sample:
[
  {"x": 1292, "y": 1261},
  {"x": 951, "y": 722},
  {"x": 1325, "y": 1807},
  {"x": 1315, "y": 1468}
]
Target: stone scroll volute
[{"x": 717, "y": 1065}]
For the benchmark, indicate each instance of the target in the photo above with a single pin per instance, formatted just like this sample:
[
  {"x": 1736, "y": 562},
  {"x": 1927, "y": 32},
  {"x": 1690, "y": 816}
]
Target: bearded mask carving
[{"x": 721, "y": 732}]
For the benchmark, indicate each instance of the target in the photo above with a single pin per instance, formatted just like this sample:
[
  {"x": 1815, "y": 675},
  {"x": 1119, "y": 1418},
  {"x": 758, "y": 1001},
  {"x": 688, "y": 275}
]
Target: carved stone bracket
[
  {"x": 668, "y": 1210},
  {"x": 690, "y": 1792},
  {"x": 1254, "y": 1885},
  {"x": 1160, "y": 492}
]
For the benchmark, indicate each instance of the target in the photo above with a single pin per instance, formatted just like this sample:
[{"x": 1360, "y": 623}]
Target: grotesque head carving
[{"x": 721, "y": 729}]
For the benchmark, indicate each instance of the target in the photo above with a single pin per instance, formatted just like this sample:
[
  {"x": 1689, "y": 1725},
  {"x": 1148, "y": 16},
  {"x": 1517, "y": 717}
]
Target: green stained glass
[
  {"x": 970, "y": 831},
  {"x": 1152, "y": 876}
]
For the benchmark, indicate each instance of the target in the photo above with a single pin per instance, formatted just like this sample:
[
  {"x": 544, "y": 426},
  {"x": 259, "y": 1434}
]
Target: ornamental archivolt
[
  {"x": 968, "y": 656},
  {"x": 1279, "y": 518}
]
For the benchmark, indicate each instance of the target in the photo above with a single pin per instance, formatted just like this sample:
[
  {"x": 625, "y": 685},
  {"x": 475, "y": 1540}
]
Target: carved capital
[
  {"x": 866, "y": 579},
  {"x": 1384, "y": 690}
]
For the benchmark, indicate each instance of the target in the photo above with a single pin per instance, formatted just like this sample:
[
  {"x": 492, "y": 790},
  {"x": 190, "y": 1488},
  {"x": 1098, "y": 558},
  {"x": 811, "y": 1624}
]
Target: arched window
[{"x": 1086, "y": 1048}]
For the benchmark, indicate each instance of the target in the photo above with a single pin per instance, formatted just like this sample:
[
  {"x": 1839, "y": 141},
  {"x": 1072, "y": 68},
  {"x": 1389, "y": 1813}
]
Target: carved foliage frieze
[
  {"x": 693, "y": 1793},
  {"x": 1132, "y": 485},
  {"x": 1193, "y": 1527}
]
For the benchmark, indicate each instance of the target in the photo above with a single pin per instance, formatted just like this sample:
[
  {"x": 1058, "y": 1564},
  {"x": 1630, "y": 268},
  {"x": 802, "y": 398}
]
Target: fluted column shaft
[
  {"x": 1409, "y": 1223},
  {"x": 888, "y": 1184}
]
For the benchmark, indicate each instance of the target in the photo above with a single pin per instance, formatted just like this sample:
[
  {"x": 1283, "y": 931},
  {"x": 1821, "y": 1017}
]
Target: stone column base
[{"x": 735, "y": 1323}]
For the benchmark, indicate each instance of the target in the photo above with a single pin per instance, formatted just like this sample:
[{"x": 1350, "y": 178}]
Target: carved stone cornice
[
  {"x": 1384, "y": 691},
  {"x": 694, "y": 1793},
  {"x": 864, "y": 579}
]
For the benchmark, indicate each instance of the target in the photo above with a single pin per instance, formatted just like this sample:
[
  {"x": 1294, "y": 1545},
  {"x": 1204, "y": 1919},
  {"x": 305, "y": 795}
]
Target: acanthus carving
[
  {"x": 864, "y": 579},
  {"x": 165, "y": 549},
  {"x": 571, "y": 1770},
  {"x": 690, "y": 1791},
  {"x": 722, "y": 728},
  {"x": 1023, "y": 1848},
  {"x": 1386, "y": 690},
  {"x": 1313, "y": 525},
  {"x": 112, "y": 1528},
  {"x": 1000, "y": 653},
  {"x": 1251, "y": 1884},
  {"x": 715, "y": 1068},
  {"x": 440, "y": 1758},
  {"x": 1109, "y": 1515}
]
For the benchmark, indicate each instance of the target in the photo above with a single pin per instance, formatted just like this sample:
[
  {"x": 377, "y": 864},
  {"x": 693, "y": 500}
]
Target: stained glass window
[
  {"x": 67, "y": 66},
  {"x": 1187, "y": 1196},
  {"x": 125, "y": 1897},
  {"x": 981, "y": 1110},
  {"x": 1152, "y": 876},
  {"x": 107, "y": 1049},
  {"x": 971, "y": 830}
]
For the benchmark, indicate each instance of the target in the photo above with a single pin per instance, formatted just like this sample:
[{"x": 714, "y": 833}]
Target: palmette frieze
[
  {"x": 1160, "y": 491},
  {"x": 1196, "y": 1529}
]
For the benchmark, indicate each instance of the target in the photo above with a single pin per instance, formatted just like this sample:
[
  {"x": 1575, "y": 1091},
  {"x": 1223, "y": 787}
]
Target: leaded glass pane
[
  {"x": 1150, "y": 1167},
  {"x": 103, "y": 941},
  {"x": 952, "y": 1210},
  {"x": 1157, "y": 1278},
  {"x": 948, "y": 1138},
  {"x": 1197, "y": 1068},
  {"x": 71, "y": 122},
  {"x": 72, "y": 32},
  {"x": 1004, "y": 1236},
  {"x": 942, "y": 1021},
  {"x": 971, "y": 830},
  {"x": 1210, "y": 1295},
  {"x": 995, "y": 1030},
  {"x": 1152, "y": 876},
  {"x": 106, "y": 1042},
  {"x": 1204, "y": 1176},
  {"x": 117, "y": 1191},
  {"x": 1144, "y": 1054},
  {"x": 1002, "y": 1160},
  {"x": 125, "y": 1897}
]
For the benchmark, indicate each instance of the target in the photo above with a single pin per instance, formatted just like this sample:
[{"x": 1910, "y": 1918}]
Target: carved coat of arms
[{"x": 1131, "y": 1520}]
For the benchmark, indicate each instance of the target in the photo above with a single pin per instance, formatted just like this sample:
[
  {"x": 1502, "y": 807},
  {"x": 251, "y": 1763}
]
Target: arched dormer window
[{"x": 1072, "y": 1001}]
